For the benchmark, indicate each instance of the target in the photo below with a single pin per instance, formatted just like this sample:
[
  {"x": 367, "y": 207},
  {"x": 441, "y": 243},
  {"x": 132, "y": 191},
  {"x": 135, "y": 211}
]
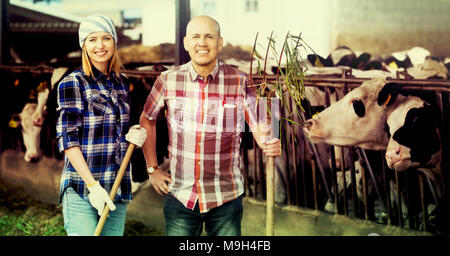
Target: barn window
[
  {"x": 209, "y": 7},
  {"x": 251, "y": 5}
]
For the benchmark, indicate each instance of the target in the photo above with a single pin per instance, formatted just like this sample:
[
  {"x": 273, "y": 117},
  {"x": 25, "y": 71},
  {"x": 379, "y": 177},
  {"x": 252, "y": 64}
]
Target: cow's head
[
  {"x": 358, "y": 119},
  {"x": 31, "y": 119},
  {"x": 414, "y": 138}
]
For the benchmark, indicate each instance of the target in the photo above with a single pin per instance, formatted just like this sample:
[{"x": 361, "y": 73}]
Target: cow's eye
[{"x": 359, "y": 108}]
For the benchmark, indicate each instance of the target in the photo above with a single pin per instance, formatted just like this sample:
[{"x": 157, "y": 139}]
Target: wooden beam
[
  {"x": 183, "y": 15},
  {"x": 4, "y": 30}
]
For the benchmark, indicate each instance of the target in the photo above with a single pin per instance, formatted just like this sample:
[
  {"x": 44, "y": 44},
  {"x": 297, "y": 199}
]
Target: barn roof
[
  {"x": 28, "y": 12},
  {"x": 39, "y": 34}
]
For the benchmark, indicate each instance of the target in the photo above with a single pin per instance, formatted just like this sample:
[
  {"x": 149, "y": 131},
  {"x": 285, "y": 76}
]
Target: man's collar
[{"x": 194, "y": 75}]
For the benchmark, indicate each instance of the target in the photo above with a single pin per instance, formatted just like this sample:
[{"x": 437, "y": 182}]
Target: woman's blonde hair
[{"x": 114, "y": 63}]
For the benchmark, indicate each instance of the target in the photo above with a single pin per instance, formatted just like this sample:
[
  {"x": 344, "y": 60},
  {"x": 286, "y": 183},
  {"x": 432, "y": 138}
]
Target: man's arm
[{"x": 158, "y": 178}]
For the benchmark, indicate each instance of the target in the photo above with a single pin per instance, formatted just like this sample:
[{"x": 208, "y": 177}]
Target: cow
[
  {"x": 428, "y": 69},
  {"x": 341, "y": 56},
  {"x": 31, "y": 119},
  {"x": 405, "y": 59},
  {"x": 32, "y": 113},
  {"x": 415, "y": 142},
  {"x": 363, "y": 111}
]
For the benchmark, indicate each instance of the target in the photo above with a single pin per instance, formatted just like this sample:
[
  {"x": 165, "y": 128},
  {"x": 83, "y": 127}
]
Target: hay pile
[
  {"x": 166, "y": 53},
  {"x": 147, "y": 54},
  {"x": 239, "y": 53}
]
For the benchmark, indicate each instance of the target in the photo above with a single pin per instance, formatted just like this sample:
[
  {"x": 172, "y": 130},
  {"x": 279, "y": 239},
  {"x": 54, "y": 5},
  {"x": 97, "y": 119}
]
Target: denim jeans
[
  {"x": 80, "y": 218},
  {"x": 224, "y": 220}
]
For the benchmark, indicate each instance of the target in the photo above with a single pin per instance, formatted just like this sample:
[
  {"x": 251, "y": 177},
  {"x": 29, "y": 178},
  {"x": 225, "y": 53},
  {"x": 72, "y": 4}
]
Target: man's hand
[
  {"x": 272, "y": 147},
  {"x": 160, "y": 181}
]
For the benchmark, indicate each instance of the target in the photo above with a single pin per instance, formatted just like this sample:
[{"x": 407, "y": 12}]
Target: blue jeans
[
  {"x": 80, "y": 218},
  {"x": 224, "y": 220}
]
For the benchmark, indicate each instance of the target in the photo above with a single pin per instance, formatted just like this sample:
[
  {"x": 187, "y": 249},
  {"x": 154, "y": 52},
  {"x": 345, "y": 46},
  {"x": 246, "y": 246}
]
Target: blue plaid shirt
[{"x": 94, "y": 115}]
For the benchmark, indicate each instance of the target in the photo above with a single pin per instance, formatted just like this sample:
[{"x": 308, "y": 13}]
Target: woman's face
[{"x": 100, "y": 48}]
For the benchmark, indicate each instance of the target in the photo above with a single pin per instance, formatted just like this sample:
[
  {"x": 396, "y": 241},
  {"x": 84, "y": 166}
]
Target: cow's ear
[
  {"x": 388, "y": 94},
  {"x": 15, "y": 121}
]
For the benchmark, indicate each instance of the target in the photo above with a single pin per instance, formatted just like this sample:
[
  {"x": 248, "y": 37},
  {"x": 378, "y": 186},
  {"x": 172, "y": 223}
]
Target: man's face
[{"x": 203, "y": 42}]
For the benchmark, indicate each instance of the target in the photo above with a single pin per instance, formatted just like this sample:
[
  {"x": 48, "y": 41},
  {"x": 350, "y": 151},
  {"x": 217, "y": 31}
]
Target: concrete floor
[{"x": 41, "y": 180}]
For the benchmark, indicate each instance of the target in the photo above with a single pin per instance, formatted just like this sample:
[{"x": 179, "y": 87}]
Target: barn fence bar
[{"x": 304, "y": 187}]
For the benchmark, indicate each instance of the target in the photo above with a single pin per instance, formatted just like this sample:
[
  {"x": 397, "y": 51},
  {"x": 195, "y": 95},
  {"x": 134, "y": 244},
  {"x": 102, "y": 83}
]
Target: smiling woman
[
  {"x": 93, "y": 111},
  {"x": 98, "y": 40}
]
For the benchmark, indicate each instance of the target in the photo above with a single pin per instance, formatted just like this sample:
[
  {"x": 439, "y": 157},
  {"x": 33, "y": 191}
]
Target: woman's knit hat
[{"x": 96, "y": 23}]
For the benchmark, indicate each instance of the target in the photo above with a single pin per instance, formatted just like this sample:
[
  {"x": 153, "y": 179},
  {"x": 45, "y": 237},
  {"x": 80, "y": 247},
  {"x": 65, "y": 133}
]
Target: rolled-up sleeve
[
  {"x": 70, "y": 113},
  {"x": 155, "y": 100}
]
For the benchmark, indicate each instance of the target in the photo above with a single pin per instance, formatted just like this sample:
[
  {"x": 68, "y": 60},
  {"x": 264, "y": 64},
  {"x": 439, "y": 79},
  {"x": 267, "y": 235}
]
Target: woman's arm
[{"x": 79, "y": 163}]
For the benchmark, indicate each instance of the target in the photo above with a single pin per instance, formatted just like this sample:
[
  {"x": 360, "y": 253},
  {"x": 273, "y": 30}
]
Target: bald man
[{"x": 206, "y": 103}]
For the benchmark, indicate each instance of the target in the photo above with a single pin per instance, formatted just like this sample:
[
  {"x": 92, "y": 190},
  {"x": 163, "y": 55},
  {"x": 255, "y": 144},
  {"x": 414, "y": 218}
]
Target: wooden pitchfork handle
[
  {"x": 112, "y": 194},
  {"x": 270, "y": 194}
]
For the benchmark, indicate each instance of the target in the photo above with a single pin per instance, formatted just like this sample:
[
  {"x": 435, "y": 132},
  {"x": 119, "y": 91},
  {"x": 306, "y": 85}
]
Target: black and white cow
[
  {"x": 34, "y": 111},
  {"x": 31, "y": 119},
  {"x": 358, "y": 119},
  {"x": 429, "y": 69},
  {"x": 414, "y": 140}
]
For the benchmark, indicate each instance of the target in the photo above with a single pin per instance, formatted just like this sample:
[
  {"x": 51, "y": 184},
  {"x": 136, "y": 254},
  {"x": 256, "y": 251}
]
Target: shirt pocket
[
  {"x": 229, "y": 114},
  {"x": 175, "y": 112},
  {"x": 99, "y": 105}
]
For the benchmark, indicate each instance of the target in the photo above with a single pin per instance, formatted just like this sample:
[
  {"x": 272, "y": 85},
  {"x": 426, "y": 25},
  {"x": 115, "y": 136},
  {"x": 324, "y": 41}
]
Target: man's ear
[
  {"x": 185, "y": 44},
  {"x": 220, "y": 43}
]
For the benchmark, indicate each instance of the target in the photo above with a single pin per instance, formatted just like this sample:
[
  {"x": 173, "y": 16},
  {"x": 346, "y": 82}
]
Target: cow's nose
[
  {"x": 393, "y": 155},
  {"x": 34, "y": 159},
  {"x": 31, "y": 157},
  {"x": 38, "y": 121},
  {"x": 394, "y": 152}
]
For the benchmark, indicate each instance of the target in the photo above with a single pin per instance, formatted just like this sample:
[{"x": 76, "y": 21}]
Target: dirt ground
[{"x": 22, "y": 215}]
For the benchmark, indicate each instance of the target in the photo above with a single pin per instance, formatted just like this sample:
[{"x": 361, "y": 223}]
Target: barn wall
[
  {"x": 41, "y": 180},
  {"x": 385, "y": 26}
]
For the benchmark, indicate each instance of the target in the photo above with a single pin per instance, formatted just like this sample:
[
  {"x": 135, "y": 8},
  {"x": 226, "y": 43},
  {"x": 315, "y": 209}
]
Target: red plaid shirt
[{"x": 205, "y": 121}]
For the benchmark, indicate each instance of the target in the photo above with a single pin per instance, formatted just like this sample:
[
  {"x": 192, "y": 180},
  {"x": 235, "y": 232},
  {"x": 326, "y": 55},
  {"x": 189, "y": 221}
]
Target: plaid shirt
[
  {"x": 205, "y": 120},
  {"x": 94, "y": 115}
]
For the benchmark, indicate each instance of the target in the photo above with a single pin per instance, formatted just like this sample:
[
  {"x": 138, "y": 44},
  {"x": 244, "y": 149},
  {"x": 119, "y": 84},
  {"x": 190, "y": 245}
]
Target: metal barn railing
[{"x": 310, "y": 184}]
